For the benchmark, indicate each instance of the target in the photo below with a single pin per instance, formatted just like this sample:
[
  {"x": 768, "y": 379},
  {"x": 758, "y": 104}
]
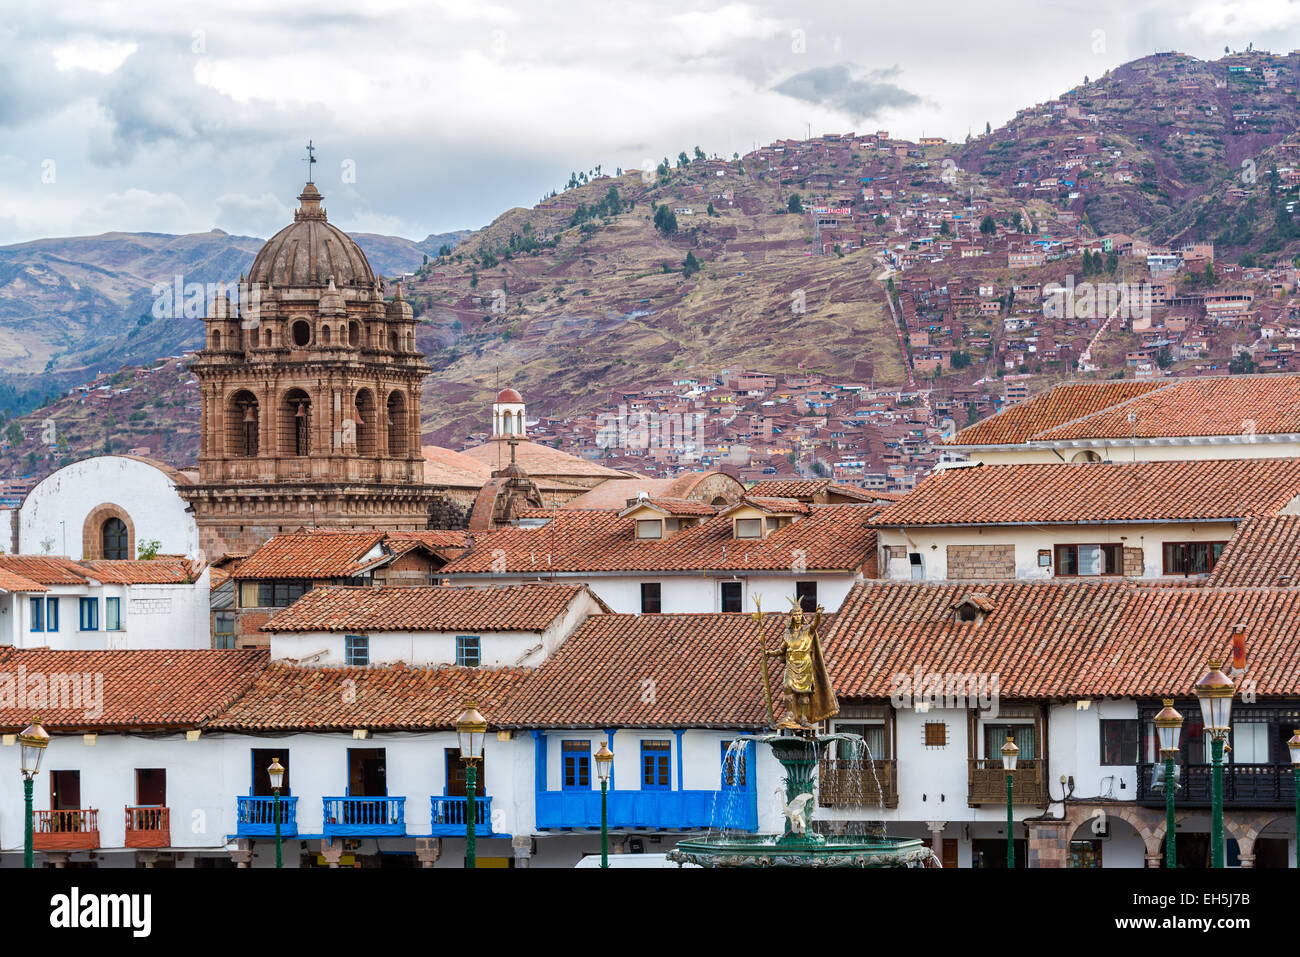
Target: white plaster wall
[
  {"x": 55, "y": 510},
  {"x": 1174, "y": 451}
]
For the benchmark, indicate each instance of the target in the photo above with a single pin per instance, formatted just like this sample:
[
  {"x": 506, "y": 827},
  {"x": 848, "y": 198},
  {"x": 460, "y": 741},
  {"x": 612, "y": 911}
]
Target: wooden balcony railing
[
  {"x": 148, "y": 826},
  {"x": 448, "y": 815},
  {"x": 73, "y": 830},
  {"x": 256, "y": 816},
  {"x": 855, "y": 784},
  {"x": 364, "y": 816},
  {"x": 1244, "y": 786},
  {"x": 987, "y": 782}
]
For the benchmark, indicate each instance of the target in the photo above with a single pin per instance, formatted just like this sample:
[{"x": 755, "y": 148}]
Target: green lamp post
[
  {"x": 604, "y": 764},
  {"x": 34, "y": 740},
  {"x": 276, "y": 773},
  {"x": 1009, "y": 754},
  {"x": 471, "y": 727},
  {"x": 1294, "y": 746},
  {"x": 1169, "y": 726},
  {"x": 1214, "y": 691}
]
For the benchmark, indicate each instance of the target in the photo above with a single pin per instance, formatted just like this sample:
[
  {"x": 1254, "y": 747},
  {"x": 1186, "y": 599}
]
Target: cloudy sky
[{"x": 432, "y": 115}]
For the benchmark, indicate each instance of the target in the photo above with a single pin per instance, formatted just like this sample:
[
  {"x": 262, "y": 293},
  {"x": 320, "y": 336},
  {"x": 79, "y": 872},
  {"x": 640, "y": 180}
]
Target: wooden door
[
  {"x": 151, "y": 787},
  {"x": 65, "y": 790},
  {"x": 456, "y": 776}
]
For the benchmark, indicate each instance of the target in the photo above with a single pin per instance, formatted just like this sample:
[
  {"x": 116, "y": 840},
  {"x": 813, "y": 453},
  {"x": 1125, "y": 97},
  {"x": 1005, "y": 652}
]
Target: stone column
[
  {"x": 332, "y": 853},
  {"x": 936, "y": 837},
  {"x": 522, "y": 845},
  {"x": 1049, "y": 843},
  {"x": 57, "y": 858},
  {"x": 428, "y": 850},
  {"x": 242, "y": 855},
  {"x": 1155, "y": 860}
]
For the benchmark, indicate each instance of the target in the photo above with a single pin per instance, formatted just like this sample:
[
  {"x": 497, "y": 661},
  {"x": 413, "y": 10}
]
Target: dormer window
[
  {"x": 749, "y": 528},
  {"x": 649, "y": 528},
  {"x": 972, "y": 608}
]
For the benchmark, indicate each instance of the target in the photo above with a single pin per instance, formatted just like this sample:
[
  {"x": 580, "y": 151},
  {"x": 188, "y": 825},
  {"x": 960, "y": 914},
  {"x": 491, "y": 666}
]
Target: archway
[
  {"x": 397, "y": 426},
  {"x": 242, "y": 423},
  {"x": 365, "y": 422},
  {"x": 295, "y": 423},
  {"x": 301, "y": 332},
  {"x": 108, "y": 532}
]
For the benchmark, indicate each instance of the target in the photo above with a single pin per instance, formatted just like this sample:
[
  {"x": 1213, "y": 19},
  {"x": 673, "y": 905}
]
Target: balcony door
[
  {"x": 151, "y": 787},
  {"x": 65, "y": 790},
  {"x": 367, "y": 777},
  {"x": 456, "y": 769},
  {"x": 262, "y": 758}
]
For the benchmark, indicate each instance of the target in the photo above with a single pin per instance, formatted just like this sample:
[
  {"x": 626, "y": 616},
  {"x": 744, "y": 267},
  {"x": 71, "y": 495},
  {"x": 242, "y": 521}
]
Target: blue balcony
[
  {"x": 448, "y": 816},
  {"x": 364, "y": 817},
  {"x": 735, "y": 809},
  {"x": 256, "y": 816}
]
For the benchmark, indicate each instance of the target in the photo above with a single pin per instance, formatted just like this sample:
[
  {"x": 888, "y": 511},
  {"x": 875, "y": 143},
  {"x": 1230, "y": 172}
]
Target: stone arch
[
  {"x": 300, "y": 333},
  {"x": 392, "y": 342},
  {"x": 1247, "y": 829},
  {"x": 295, "y": 423},
  {"x": 1148, "y": 822},
  {"x": 1086, "y": 457},
  {"x": 216, "y": 338},
  {"x": 243, "y": 423},
  {"x": 397, "y": 424},
  {"x": 92, "y": 531}
]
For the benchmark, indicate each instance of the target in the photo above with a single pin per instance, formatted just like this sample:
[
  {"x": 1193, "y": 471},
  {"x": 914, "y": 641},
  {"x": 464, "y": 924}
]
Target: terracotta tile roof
[
  {"x": 614, "y": 493},
  {"x": 531, "y": 607},
  {"x": 1230, "y": 405},
  {"x": 648, "y": 671},
  {"x": 309, "y": 555},
  {"x": 141, "y": 689},
  {"x": 1264, "y": 551},
  {"x": 1200, "y": 489},
  {"x": 46, "y": 569},
  {"x": 673, "y": 506},
  {"x": 1055, "y": 639},
  {"x": 395, "y": 698},
  {"x": 443, "y": 543},
  {"x": 830, "y": 537},
  {"x": 537, "y": 459},
  {"x": 12, "y": 581},
  {"x": 452, "y": 469},
  {"x": 163, "y": 570},
  {"x": 790, "y": 488},
  {"x": 769, "y": 504},
  {"x": 1048, "y": 410}
]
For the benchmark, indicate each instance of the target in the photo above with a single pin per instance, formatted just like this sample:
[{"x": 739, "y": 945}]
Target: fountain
[{"x": 796, "y": 746}]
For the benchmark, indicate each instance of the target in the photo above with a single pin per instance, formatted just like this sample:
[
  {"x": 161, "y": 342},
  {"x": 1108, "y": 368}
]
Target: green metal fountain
[{"x": 796, "y": 745}]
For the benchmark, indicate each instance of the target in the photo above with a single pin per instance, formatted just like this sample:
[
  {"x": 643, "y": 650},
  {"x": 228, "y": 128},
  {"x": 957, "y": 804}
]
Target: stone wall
[
  {"x": 981, "y": 561},
  {"x": 1134, "y": 562}
]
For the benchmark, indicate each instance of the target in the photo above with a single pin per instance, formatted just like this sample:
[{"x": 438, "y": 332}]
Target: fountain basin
[{"x": 762, "y": 850}]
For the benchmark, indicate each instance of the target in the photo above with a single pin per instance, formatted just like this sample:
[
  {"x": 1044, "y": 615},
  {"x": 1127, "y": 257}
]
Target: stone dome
[{"x": 311, "y": 252}]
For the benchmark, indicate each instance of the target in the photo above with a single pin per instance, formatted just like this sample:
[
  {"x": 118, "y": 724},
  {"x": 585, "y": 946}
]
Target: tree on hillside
[
  {"x": 690, "y": 265},
  {"x": 796, "y": 204},
  {"x": 987, "y": 226},
  {"x": 699, "y": 153},
  {"x": 665, "y": 220},
  {"x": 682, "y": 159},
  {"x": 988, "y": 128}
]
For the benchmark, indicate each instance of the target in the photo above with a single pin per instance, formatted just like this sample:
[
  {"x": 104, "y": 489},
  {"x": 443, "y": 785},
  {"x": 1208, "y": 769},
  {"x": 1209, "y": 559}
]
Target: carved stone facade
[{"x": 310, "y": 394}]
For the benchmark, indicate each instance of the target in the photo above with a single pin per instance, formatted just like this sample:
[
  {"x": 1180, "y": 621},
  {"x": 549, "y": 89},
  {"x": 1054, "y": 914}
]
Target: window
[
  {"x": 651, "y": 598},
  {"x": 51, "y": 614},
  {"x": 874, "y": 743},
  {"x": 280, "y": 594},
  {"x": 649, "y": 528},
  {"x": 112, "y": 614},
  {"x": 806, "y": 593},
  {"x": 936, "y": 734},
  {"x": 1119, "y": 742},
  {"x": 469, "y": 650},
  {"x": 749, "y": 528},
  {"x": 916, "y": 561},
  {"x": 356, "y": 650},
  {"x": 38, "y": 614},
  {"x": 1089, "y": 560},
  {"x": 655, "y": 764},
  {"x": 733, "y": 765},
  {"x": 731, "y": 596},
  {"x": 576, "y": 765},
  {"x": 1192, "y": 558},
  {"x": 90, "y": 614},
  {"x": 223, "y": 630},
  {"x": 114, "y": 539},
  {"x": 1250, "y": 742},
  {"x": 995, "y": 736}
]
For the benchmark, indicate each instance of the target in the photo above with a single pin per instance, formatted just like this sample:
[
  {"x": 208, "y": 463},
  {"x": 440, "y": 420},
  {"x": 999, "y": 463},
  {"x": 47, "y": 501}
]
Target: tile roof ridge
[{"x": 1171, "y": 384}]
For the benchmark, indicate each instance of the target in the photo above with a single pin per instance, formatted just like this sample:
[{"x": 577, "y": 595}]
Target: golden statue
[{"x": 809, "y": 696}]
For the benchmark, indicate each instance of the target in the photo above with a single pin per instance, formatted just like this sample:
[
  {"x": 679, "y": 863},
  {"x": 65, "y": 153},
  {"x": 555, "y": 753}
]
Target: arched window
[
  {"x": 325, "y": 334},
  {"x": 354, "y": 334},
  {"x": 392, "y": 342},
  {"x": 295, "y": 423},
  {"x": 397, "y": 424},
  {"x": 302, "y": 333},
  {"x": 365, "y": 422},
  {"x": 266, "y": 337},
  {"x": 216, "y": 338},
  {"x": 114, "y": 539},
  {"x": 242, "y": 425}
]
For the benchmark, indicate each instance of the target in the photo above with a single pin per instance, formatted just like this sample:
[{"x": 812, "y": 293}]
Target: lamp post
[
  {"x": 604, "y": 762},
  {"x": 470, "y": 729},
  {"x": 34, "y": 740},
  {"x": 1294, "y": 746},
  {"x": 276, "y": 774},
  {"x": 1214, "y": 691},
  {"x": 1169, "y": 725},
  {"x": 1009, "y": 754}
]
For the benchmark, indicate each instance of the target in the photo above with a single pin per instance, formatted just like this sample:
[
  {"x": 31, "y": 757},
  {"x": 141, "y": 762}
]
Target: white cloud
[{"x": 92, "y": 53}]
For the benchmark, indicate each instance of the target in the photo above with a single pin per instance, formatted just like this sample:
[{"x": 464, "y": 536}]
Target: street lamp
[
  {"x": 470, "y": 729},
  {"x": 34, "y": 740},
  {"x": 1294, "y": 745},
  {"x": 276, "y": 774},
  {"x": 1215, "y": 690},
  {"x": 604, "y": 763},
  {"x": 1009, "y": 754},
  {"x": 1169, "y": 726}
]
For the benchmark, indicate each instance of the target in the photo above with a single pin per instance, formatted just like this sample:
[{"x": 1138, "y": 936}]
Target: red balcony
[
  {"x": 76, "y": 830},
  {"x": 148, "y": 826}
]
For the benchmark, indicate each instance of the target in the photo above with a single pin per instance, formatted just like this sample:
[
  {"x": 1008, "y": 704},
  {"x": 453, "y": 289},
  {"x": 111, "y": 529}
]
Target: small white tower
[{"x": 508, "y": 415}]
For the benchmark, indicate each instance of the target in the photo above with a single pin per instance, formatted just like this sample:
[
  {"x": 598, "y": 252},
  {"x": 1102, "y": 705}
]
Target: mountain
[{"x": 72, "y": 308}]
